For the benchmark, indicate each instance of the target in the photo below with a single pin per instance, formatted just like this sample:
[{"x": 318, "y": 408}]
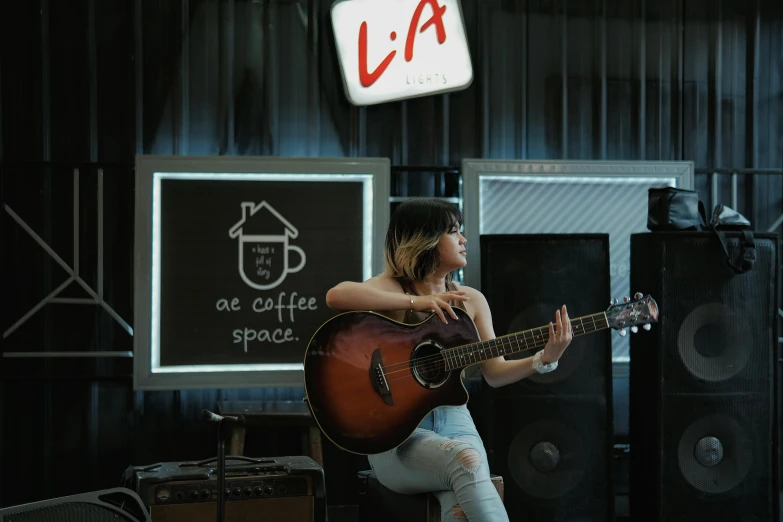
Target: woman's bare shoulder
[
  {"x": 476, "y": 303},
  {"x": 469, "y": 291},
  {"x": 384, "y": 282}
]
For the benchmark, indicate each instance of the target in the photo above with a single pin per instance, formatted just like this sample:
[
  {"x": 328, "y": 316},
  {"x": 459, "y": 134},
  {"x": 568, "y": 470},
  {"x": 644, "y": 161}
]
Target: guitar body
[{"x": 371, "y": 380}]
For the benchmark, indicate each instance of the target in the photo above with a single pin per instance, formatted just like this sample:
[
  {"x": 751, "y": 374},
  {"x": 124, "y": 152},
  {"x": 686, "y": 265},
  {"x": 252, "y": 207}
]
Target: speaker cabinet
[
  {"x": 550, "y": 435},
  {"x": 109, "y": 505},
  {"x": 280, "y": 489},
  {"x": 703, "y": 415}
]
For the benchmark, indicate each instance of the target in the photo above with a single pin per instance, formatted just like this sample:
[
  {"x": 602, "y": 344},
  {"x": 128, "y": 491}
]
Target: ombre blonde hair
[{"x": 415, "y": 228}]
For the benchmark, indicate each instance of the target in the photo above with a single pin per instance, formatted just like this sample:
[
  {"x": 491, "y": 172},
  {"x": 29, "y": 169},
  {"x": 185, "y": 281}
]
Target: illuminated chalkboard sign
[{"x": 234, "y": 257}]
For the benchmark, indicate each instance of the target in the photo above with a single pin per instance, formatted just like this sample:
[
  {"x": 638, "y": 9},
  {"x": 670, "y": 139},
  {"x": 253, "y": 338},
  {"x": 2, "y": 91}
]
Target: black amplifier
[{"x": 280, "y": 489}]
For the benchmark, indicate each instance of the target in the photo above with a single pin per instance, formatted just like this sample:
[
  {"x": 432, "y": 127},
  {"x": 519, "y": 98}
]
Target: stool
[{"x": 377, "y": 503}]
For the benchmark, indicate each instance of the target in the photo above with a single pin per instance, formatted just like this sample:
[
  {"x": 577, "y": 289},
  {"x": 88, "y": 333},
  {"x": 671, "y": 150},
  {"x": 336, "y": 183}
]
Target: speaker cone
[
  {"x": 546, "y": 459},
  {"x": 711, "y": 345},
  {"x": 715, "y": 454}
]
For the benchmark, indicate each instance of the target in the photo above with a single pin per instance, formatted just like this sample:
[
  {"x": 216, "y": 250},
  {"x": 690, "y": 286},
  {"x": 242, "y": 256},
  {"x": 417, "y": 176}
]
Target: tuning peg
[
  {"x": 623, "y": 332},
  {"x": 613, "y": 302},
  {"x": 647, "y": 327},
  {"x": 638, "y": 295},
  {"x": 634, "y": 329},
  {"x": 626, "y": 299}
]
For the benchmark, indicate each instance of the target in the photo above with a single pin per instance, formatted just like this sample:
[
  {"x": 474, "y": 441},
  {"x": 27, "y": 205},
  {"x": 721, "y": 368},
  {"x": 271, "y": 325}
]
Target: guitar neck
[{"x": 535, "y": 338}]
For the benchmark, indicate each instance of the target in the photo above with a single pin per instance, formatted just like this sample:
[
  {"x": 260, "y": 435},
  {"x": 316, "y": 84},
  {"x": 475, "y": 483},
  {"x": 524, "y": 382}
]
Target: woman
[{"x": 445, "y": 454}]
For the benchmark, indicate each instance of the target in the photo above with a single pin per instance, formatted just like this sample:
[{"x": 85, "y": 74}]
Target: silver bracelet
[{"x": 541, "y": 367}]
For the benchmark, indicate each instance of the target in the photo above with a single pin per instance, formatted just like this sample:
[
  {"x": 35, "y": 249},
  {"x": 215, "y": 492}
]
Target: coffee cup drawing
[{"x": 264, "y": 259}]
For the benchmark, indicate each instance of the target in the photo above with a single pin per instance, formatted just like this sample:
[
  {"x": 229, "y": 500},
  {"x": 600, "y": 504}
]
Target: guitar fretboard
[{"x": 470, "y": 354}]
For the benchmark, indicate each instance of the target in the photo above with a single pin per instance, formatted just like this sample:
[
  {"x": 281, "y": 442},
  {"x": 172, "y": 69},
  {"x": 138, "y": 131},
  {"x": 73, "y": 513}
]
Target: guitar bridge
[{"x": 378, "y": 378}]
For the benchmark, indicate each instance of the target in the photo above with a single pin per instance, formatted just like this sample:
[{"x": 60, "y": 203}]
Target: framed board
[
  {"x": 233, "y": 259},
  {"x": 566, "y": 197}
]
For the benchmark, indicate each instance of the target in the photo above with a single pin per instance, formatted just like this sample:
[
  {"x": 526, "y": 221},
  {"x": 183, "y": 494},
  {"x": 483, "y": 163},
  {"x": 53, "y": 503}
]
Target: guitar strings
[
  {"x": 541, "y": 329},
  {"x": 437, "y": 358},
  {"x": 437, "y": 365},
  {"x": 438, "y": 361}
]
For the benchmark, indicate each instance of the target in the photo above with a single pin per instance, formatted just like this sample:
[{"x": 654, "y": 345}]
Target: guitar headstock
[{"x": 642, "y": 311}]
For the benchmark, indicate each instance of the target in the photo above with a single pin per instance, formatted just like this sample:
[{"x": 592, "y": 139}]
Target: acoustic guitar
[{"x": 371, "y": 380}]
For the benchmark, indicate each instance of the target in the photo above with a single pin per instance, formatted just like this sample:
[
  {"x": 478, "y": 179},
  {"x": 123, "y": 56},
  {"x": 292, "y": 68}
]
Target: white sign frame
[
  {"x": 679, "y": 174},
  {"x": 150, "y": 169}
]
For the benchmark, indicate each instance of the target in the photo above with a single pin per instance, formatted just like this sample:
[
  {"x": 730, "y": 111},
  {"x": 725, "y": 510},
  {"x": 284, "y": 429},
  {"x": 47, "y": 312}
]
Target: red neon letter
[
  {"x": 368, "y": 78},
  {"x": 437, "y": 19}
]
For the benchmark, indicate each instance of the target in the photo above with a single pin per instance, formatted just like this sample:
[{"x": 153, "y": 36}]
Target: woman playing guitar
[{"x": 445, "y": 455}]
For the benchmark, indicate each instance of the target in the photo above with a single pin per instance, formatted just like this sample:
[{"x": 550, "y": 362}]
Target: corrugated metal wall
[
  {"x": 93, "y": 82},
  {"x": 554, "y": 79}
]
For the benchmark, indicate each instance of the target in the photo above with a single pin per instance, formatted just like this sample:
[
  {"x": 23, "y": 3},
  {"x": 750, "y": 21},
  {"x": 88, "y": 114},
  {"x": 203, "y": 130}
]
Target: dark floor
[
  {"x": 351, "y": 514},
  {"x": 343, "y": 513}
]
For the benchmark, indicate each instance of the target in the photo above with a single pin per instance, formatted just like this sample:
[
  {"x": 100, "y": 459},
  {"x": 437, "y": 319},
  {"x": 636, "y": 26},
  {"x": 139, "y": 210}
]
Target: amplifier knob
[
  {"x": 193, "y": 494},
  {"x": 237, "y": 492},
  {"x": 205, "y": 494},
  {"x": 247, "y": 491},
  {"x": 258, "y": 490},
  {"x": 269, "y": 490},
  {"x": 227, "y": 492}
]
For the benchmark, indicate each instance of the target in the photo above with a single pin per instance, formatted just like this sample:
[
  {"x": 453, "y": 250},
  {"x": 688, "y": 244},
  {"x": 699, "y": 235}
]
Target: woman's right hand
[{"x": 436, "y": 303}]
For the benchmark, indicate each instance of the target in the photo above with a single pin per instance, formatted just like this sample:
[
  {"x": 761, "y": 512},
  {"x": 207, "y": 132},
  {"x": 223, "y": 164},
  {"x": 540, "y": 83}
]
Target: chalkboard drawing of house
[{"x": 263, "y": 246}]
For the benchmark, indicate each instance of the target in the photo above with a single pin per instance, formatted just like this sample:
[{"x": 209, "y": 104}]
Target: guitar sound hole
[{"x": 428, "y": 365}]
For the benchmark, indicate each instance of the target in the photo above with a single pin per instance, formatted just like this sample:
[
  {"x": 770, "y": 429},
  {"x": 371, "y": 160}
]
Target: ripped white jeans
[{"x": 445, "y": 456}]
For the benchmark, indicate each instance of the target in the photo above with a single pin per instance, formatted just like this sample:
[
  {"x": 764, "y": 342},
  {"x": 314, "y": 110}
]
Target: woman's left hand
[{"x": 560, "y": 335}]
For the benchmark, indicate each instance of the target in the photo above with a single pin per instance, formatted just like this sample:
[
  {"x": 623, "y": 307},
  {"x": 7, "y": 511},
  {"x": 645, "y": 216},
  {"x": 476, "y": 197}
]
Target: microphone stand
[{"x": 223, "y": 422}]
